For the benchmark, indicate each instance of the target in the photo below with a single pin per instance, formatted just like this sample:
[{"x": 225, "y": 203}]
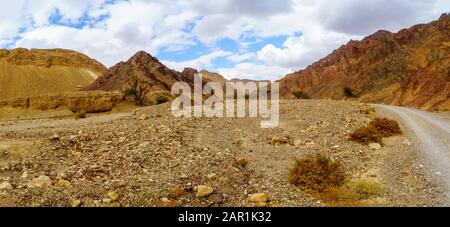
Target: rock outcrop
[
  {"x": 89, "y": 102},
  {"x": 409, "y": 68}
]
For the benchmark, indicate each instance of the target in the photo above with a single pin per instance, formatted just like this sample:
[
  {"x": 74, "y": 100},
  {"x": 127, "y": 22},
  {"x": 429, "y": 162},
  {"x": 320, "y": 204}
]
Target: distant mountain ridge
[{"x": 409, "y": 68}]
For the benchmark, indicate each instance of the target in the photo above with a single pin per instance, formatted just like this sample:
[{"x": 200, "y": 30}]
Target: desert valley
[{"x": 368, "y": 125}]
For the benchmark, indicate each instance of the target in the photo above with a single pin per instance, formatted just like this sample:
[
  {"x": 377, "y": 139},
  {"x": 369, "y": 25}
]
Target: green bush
[
  {"x": 135, "y": 94},
  {"x": 161, "y": 99}
]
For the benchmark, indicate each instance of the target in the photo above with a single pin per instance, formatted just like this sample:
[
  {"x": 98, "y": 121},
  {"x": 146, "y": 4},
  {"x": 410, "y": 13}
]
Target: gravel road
[{"x": 430, "y": 133}]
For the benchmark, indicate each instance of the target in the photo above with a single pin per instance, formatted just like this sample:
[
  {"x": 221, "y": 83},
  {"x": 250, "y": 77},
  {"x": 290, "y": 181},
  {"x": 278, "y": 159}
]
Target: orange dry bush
[
  {"x": 366, "y": 135},
  {"x": 385, "y": 127},
  {"x": 317, "y": 173}
]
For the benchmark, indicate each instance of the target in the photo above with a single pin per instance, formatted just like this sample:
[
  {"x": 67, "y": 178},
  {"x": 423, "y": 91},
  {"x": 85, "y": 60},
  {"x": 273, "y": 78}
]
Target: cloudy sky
[{"x": 259, "y": 39}]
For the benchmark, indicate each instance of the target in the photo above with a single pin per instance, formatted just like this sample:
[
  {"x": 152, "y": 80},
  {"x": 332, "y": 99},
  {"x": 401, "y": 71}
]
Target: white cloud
[
  {"x": 254, "y": 71},
  {"x": 242, "y": 57},
  {"x": 202, "y": 62},
  {"x": 133, "y": 25}
]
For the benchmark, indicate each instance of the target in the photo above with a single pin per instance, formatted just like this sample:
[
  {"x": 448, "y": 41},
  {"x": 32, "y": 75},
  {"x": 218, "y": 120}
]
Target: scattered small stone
[
  {"x": 73, "y": 138},
  {"x": 143, "y": 117},
  {"x": 204, "y": 190},
  {"x": 375, "y": 146},
  {"x": 407, "y": 142},
  {"x": 215, "y": 198},
  {"x": 176, "y": 192},
  {"x": 258, "y": 198},
  {"x": 278, "y": 141},
  {"x": 211, "y": 176},
  {"x": 113, "y": 196},
  {"x": 242, "y": 161},
  {"x": 298, "y": 143},
  {"x": 5, "y": 186},
  {"x": 42, "y": 181},
  {"x": 76, "y": 203},
  {"x": 63, "y": 183},
  {"x": 136, "y": 111},
  {"x": 54, "y": 137}
]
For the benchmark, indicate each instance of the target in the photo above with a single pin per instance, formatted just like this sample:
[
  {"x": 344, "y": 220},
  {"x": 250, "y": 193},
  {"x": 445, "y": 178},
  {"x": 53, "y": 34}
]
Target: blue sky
[{"x": 251, "y": 39}]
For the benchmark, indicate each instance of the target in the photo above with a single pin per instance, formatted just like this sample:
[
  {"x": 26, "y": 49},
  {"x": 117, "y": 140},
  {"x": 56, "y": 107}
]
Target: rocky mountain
[
  {"x": 409, "y": 68},
  {"x": 189, "y": 73},
  {"x": 37, "y": 72},
  {"x": 142, "y": 71}
]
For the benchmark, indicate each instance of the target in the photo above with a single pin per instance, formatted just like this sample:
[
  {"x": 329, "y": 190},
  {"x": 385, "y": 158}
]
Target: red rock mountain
[
  {"x": 141, "y": 71},
  {"x": 409, "y": 68}
]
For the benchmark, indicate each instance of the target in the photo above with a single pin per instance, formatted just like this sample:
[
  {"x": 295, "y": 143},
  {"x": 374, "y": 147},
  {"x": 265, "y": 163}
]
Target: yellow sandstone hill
[{"x": 38, "y": 72}]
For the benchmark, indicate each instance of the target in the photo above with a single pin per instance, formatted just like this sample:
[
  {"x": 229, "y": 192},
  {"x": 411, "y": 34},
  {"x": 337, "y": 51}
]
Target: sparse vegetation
[
  {"x": 161, "y": 99},
  {"x": 385, "y": 127},
  {"x": 366, "y": 135},
  {"x": 368, "y": 111},
  {"x": 301, "y": 95},
  {"x": 80, "y": 114},
  {"x": 317, "y": 173},
  {"x": 135, "y": 94},
  {"x": 352, "y": 194},
  {"x": 348, "y": 92}
]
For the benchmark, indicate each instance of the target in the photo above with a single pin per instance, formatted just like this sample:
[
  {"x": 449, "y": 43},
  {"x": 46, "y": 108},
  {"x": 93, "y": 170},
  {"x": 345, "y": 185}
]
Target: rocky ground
[{"x": 149, "y": 158}]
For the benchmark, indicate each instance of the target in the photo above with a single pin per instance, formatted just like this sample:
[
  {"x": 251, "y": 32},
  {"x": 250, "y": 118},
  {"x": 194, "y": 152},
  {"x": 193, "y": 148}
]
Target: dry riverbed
[{"x": 149, "y": 158}]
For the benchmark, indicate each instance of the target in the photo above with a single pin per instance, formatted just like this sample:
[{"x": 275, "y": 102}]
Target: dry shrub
[
  {"x": 80, "y": 114},
  {"x": 385, "y": 127},
  {"x": 366, "y": 135},
  {"x": 368, "y": 111},
  {"x": 317, "y": 173},
  {"x": 353, "y": 194},
  {"x": 301, "y": 95}
]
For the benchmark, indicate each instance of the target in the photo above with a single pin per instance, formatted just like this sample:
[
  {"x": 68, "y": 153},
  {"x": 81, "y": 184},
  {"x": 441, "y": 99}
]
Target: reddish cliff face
[
  {"x": 141, "y": 71},
  {"x": 410, "y": 68}
]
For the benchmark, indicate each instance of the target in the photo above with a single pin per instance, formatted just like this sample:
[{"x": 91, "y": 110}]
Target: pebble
[
  {"x": 76, "y": 203},
  {"x": 375, "y": 146},
  {"x": 5, "y": 186},
  {"x": 204, "y": 190},
  {"x": 42, "y": 181},
  {"x": 113, "y": 196},
  {"x": 258, "y": 198},
  {"x": 242, "y": 161}
]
